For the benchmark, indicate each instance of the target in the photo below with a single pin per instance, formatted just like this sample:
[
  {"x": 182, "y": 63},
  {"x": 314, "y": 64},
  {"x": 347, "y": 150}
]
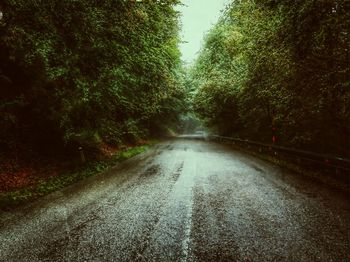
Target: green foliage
[
  {"x": 86, "y": 72},
  {"x": 131, "y": 152},
  {"x": 282, "y": 64}
]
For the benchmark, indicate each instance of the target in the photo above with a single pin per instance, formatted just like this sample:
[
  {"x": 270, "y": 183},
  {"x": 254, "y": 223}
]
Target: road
[{"x": 184, "y": 200}]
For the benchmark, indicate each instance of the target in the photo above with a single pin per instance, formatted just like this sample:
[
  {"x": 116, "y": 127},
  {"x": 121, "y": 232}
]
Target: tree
[
  {"x": 82, "y": 72},
  {"x": 282, "y": 65}
]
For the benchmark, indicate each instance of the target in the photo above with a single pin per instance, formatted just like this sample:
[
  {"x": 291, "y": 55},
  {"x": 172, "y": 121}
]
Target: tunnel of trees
[
  {"x": 90, "y": 72},
  {"x": 280, "y": 68}
]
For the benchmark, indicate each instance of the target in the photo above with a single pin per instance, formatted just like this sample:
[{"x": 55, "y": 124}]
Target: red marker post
[{"x": 274, "y": 137}]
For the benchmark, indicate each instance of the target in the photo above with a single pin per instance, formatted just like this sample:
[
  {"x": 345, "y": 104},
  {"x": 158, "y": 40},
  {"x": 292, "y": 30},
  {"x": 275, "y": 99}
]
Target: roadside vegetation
[
  {"x": 278, "y": 69},
  {"x": 96, "y": 75},
  {"x": 31, "y": 186},
  {"x": 84, "y": 73}
]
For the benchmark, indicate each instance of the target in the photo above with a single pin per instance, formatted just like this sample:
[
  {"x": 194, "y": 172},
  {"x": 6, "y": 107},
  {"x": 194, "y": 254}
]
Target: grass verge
[{"x": 65, "y": 178}]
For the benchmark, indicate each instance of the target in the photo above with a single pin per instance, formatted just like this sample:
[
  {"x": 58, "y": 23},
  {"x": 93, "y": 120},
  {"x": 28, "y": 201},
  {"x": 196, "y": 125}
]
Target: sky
[{"x": 198, "y": 16}]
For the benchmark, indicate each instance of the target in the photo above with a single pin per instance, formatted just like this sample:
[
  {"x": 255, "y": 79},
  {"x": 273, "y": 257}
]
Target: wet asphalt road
[{"x": 184, "y": 200}]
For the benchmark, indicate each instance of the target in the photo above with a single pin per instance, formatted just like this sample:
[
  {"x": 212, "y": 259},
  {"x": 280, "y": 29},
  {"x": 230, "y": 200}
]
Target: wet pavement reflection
[{"x": 184, "y": 200}]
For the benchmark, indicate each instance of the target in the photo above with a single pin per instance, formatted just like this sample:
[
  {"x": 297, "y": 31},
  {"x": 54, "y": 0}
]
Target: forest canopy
[
  {"x": 278, "y": 68},
  {"x": 84, "y": 72}
]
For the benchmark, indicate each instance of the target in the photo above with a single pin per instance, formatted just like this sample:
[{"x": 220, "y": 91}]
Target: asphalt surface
[{"x": 184, "y": 200}]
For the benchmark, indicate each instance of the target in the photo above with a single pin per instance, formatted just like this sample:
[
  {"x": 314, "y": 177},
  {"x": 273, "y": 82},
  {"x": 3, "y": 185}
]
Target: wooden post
[{"x": 82, "y": 156}]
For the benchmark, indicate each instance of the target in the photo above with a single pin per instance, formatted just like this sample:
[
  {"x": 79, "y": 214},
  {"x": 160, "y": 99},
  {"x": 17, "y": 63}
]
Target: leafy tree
[
  {"x": 278, "y": 64},
  {"x": 86, "y": 72}
]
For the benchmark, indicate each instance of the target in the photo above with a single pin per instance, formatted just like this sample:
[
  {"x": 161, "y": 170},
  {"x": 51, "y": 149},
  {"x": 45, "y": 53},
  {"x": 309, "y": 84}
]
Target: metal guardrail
[{"x": 338, "y": 164}]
